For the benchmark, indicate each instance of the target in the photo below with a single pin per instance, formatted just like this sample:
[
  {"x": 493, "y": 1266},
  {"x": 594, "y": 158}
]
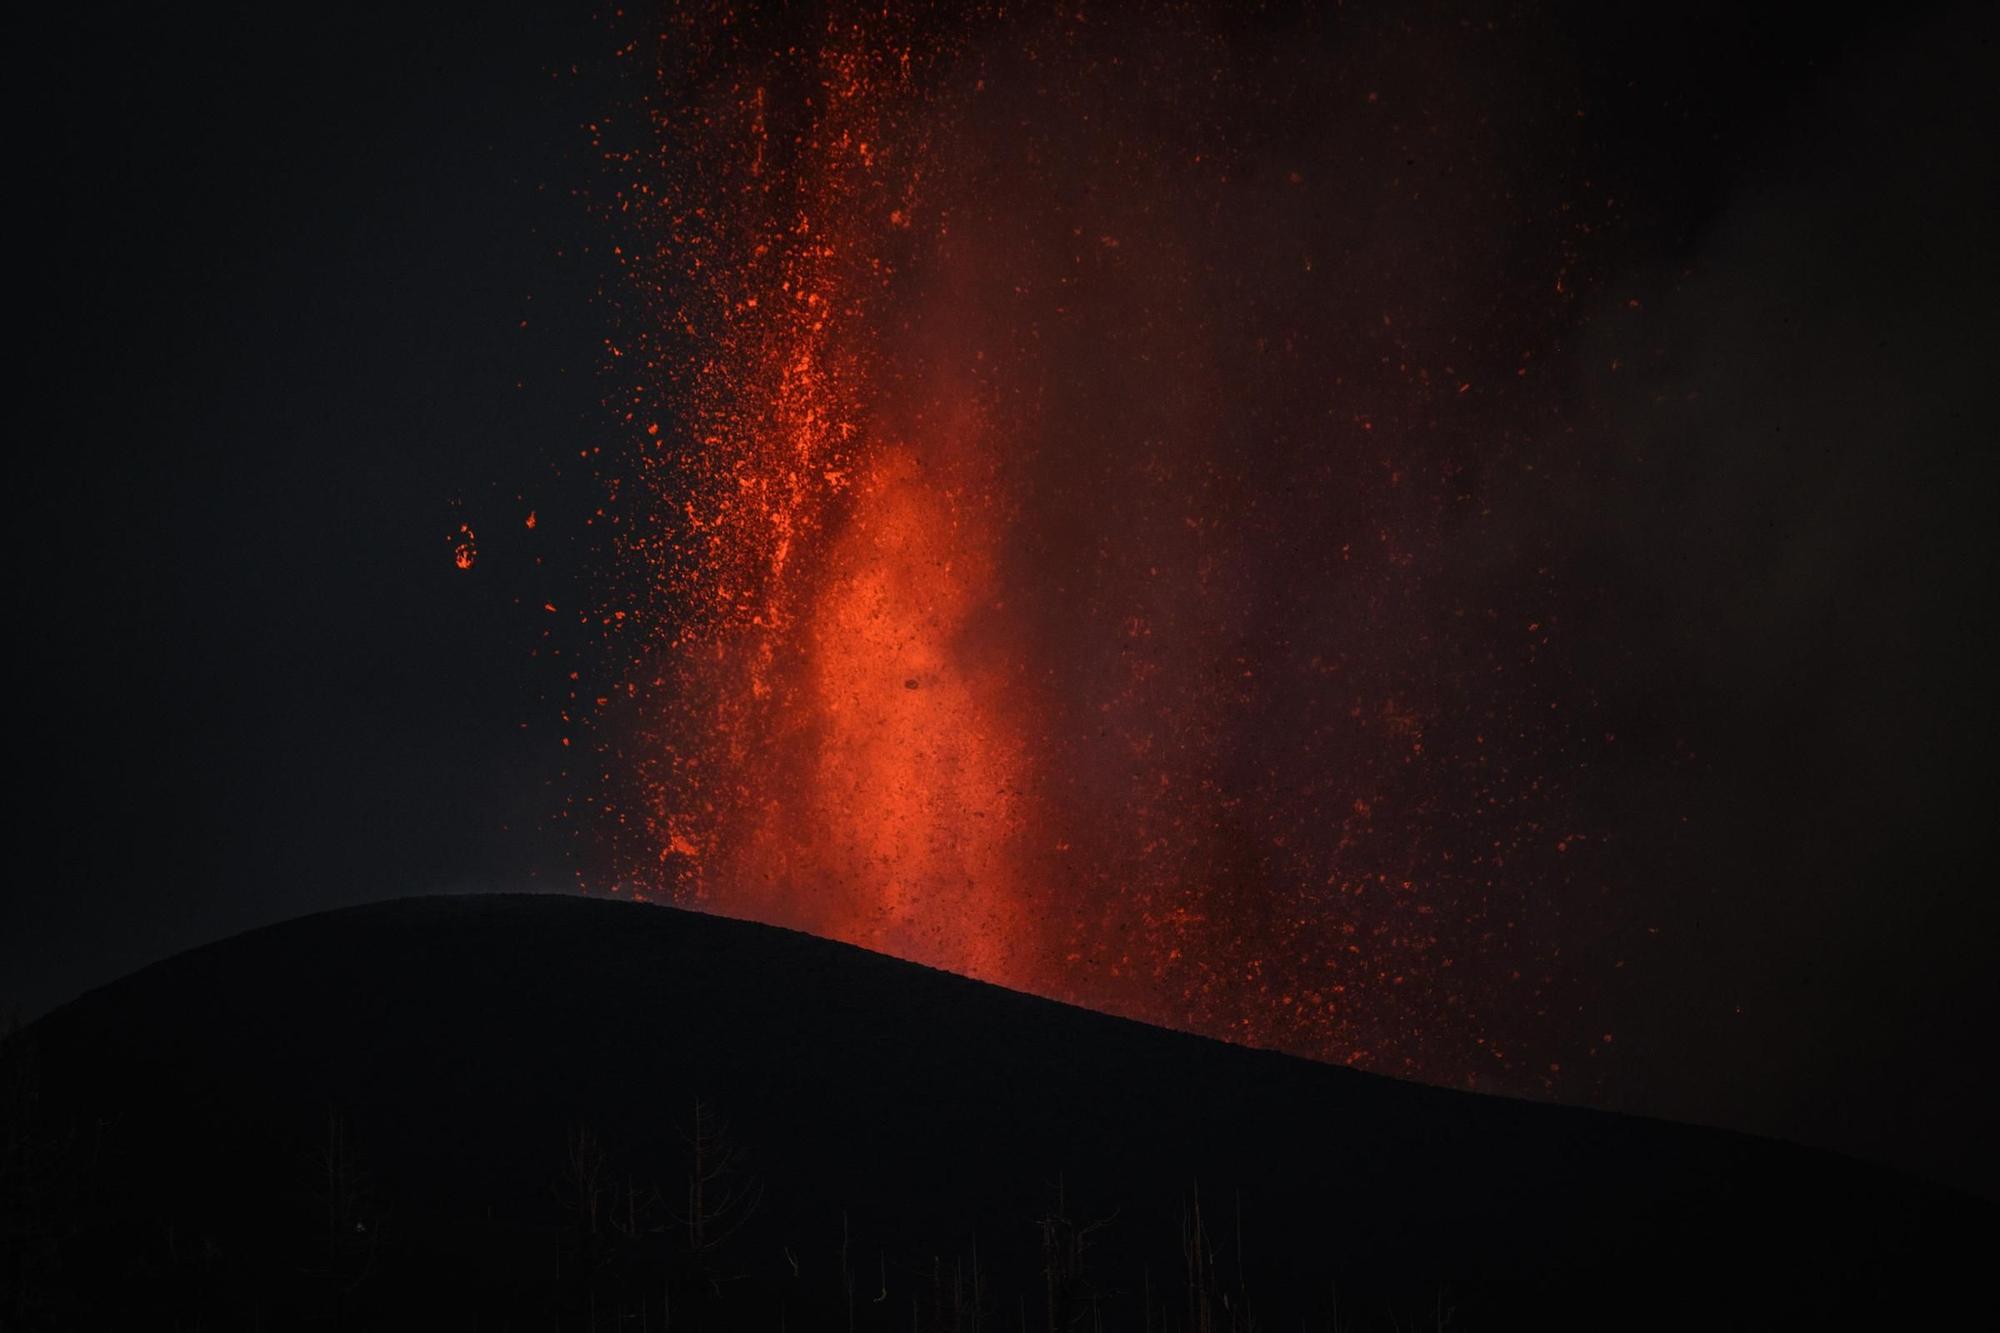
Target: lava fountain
[{"x": 1061, "y": 536}]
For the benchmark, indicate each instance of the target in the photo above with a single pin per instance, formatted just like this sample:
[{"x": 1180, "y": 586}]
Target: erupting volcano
[
  {"x": 974, "y": 665},
  {"x": 1067, "y": 516}
]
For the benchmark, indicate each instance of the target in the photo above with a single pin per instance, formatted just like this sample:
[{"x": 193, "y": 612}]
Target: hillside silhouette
[{"x": 534, "y": 1112}]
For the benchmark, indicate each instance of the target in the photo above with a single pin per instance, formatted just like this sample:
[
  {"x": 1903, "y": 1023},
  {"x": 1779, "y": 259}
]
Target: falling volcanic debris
[{"x": 1064, "y": 515}]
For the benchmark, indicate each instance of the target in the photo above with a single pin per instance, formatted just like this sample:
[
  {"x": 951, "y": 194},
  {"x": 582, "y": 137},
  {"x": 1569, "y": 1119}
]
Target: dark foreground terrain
[{"x": 551, "y": 1112}]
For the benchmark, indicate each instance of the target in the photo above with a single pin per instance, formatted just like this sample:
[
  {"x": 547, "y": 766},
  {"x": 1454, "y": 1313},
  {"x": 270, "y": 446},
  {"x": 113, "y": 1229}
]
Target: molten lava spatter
[
  {"x": 1058, "y": 538},
  {"x": 910, "y": 804},
  {"x": 824, "y": 753}
]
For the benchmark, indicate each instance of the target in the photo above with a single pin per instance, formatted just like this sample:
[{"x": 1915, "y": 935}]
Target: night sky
[{"x": 1650, "y": 371}]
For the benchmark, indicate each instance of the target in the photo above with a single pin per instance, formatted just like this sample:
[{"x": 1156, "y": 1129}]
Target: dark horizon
[{"x": 495, "y": 1063}]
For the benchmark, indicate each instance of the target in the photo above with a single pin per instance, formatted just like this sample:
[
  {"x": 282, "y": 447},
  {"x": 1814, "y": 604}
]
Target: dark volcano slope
[{"x": 482, "y": 1113}]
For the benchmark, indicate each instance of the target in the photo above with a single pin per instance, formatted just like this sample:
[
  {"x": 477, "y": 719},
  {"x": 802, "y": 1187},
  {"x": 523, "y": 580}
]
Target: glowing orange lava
[
  {"x": 831, "y": 755},
  {"x": 1039, "y": 548},
  {"x": 910, "y": 773}
]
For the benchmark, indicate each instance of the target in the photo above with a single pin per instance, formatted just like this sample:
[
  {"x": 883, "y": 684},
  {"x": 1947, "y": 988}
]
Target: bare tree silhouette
[
  {"x": 1074, "y": 1301},
  {"x": 1198, "y": 1263},
  {"x": 351, "y": 1210},
  {"x": 721, "y": 1196}
]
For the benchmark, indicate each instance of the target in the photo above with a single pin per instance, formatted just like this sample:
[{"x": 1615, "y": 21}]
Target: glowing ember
[{"x": 1057, "y": 538}]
